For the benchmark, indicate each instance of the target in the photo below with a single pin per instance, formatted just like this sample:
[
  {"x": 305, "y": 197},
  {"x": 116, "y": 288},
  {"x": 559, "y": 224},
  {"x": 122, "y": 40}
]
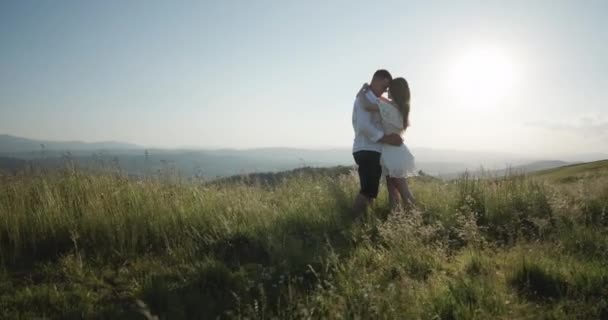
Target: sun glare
[{"x": 482, "y": 77}]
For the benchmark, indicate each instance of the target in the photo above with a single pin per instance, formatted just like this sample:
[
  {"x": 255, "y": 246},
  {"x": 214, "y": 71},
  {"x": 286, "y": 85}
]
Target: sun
[{"x": 481, "y": 78}]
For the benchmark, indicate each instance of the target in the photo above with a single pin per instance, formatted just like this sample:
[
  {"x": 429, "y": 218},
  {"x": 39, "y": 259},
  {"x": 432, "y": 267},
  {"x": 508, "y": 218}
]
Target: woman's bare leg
[
  {"x": 393, "y": 193},
  {"x": 404, "y": 190}
]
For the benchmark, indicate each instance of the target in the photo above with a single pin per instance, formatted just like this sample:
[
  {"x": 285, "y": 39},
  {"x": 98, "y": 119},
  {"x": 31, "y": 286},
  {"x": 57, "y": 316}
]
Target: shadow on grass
[
  {"x": 256, "y": 273},
  {"x": 539, "y": 283},
  {"x": 240, "y": 249},
  {"x": 206, "y": 294},
  {"x": 31, "y": 254}
]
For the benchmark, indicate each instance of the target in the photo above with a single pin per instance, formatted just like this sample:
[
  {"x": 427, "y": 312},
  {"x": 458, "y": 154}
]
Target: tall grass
[{"x": 76, "y": 245}]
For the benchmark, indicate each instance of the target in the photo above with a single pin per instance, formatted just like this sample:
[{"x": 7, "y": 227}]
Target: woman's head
[{"x": 400, "y": 93}]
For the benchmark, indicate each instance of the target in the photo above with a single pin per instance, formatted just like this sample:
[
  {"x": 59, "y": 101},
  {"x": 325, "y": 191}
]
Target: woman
[{"x": 397, "y": 161}]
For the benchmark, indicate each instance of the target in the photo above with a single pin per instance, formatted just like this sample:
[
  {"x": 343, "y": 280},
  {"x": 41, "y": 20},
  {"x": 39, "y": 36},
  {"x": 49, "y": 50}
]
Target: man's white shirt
[{"x": 367, "y": 126}]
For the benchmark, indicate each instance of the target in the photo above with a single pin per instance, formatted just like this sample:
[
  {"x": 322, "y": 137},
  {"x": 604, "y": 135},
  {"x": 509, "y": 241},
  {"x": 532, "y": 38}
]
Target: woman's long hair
[{"x": 400, "y": 92}]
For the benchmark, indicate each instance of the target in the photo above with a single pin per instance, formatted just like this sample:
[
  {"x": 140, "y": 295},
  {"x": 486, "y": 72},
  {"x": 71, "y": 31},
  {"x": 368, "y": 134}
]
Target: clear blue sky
[{"x": 284, "y": 73}]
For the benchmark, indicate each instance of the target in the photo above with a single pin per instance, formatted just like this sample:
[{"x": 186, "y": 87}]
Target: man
[{"x": 369, "y": 138}]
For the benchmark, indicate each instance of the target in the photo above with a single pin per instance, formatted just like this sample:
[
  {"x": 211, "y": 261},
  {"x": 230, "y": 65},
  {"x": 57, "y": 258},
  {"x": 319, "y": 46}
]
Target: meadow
[{"x": 76, "y": 245}]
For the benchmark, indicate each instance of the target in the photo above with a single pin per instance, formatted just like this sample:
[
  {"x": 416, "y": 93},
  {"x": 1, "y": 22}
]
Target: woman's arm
[
  {"x": 385, "y": 99},
  {"x": 368, "y": 106},
  {"x": 365, "y": 103}
]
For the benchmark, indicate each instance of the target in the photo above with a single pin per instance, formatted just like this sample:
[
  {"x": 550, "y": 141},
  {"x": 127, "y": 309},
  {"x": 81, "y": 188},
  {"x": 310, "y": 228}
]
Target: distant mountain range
[
  {"x": 17, "y": 152},
  {"x": 12, "y": 144}
]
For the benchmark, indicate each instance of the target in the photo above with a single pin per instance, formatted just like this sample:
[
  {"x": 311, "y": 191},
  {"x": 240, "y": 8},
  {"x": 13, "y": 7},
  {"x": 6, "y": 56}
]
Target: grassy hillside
[
  {"x": 75, "y": 245},
  {"x": 575, "y": 172}
]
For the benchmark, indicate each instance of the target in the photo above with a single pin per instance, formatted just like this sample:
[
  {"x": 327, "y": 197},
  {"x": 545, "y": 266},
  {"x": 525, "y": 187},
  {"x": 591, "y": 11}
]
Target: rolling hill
[{"x": 575, "y": 172}]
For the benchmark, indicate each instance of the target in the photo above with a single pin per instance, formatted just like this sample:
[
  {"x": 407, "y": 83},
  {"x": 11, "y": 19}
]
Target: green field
[{"x": 76, "y": 245}]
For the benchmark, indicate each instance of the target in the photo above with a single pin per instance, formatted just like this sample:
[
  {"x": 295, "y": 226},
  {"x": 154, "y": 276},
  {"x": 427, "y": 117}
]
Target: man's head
[{"x": 380, "y": 82}]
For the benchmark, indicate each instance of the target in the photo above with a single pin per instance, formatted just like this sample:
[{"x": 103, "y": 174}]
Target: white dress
[{"x": 397, "y": 161}]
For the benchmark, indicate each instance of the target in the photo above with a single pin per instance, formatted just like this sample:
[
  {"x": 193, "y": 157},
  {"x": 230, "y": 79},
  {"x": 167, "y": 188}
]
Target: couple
[{"x": 378, "y": 148}]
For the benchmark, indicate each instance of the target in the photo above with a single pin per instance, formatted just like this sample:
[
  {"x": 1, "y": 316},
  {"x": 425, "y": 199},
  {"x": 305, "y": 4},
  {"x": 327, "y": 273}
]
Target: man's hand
[{"x": 392, "y": 139}]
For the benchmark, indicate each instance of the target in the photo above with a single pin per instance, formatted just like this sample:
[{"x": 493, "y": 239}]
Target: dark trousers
[{"x": 370, "y": 172}]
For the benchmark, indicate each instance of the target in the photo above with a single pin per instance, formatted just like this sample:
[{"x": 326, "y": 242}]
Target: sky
[{"x": 512, "y": 76}]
